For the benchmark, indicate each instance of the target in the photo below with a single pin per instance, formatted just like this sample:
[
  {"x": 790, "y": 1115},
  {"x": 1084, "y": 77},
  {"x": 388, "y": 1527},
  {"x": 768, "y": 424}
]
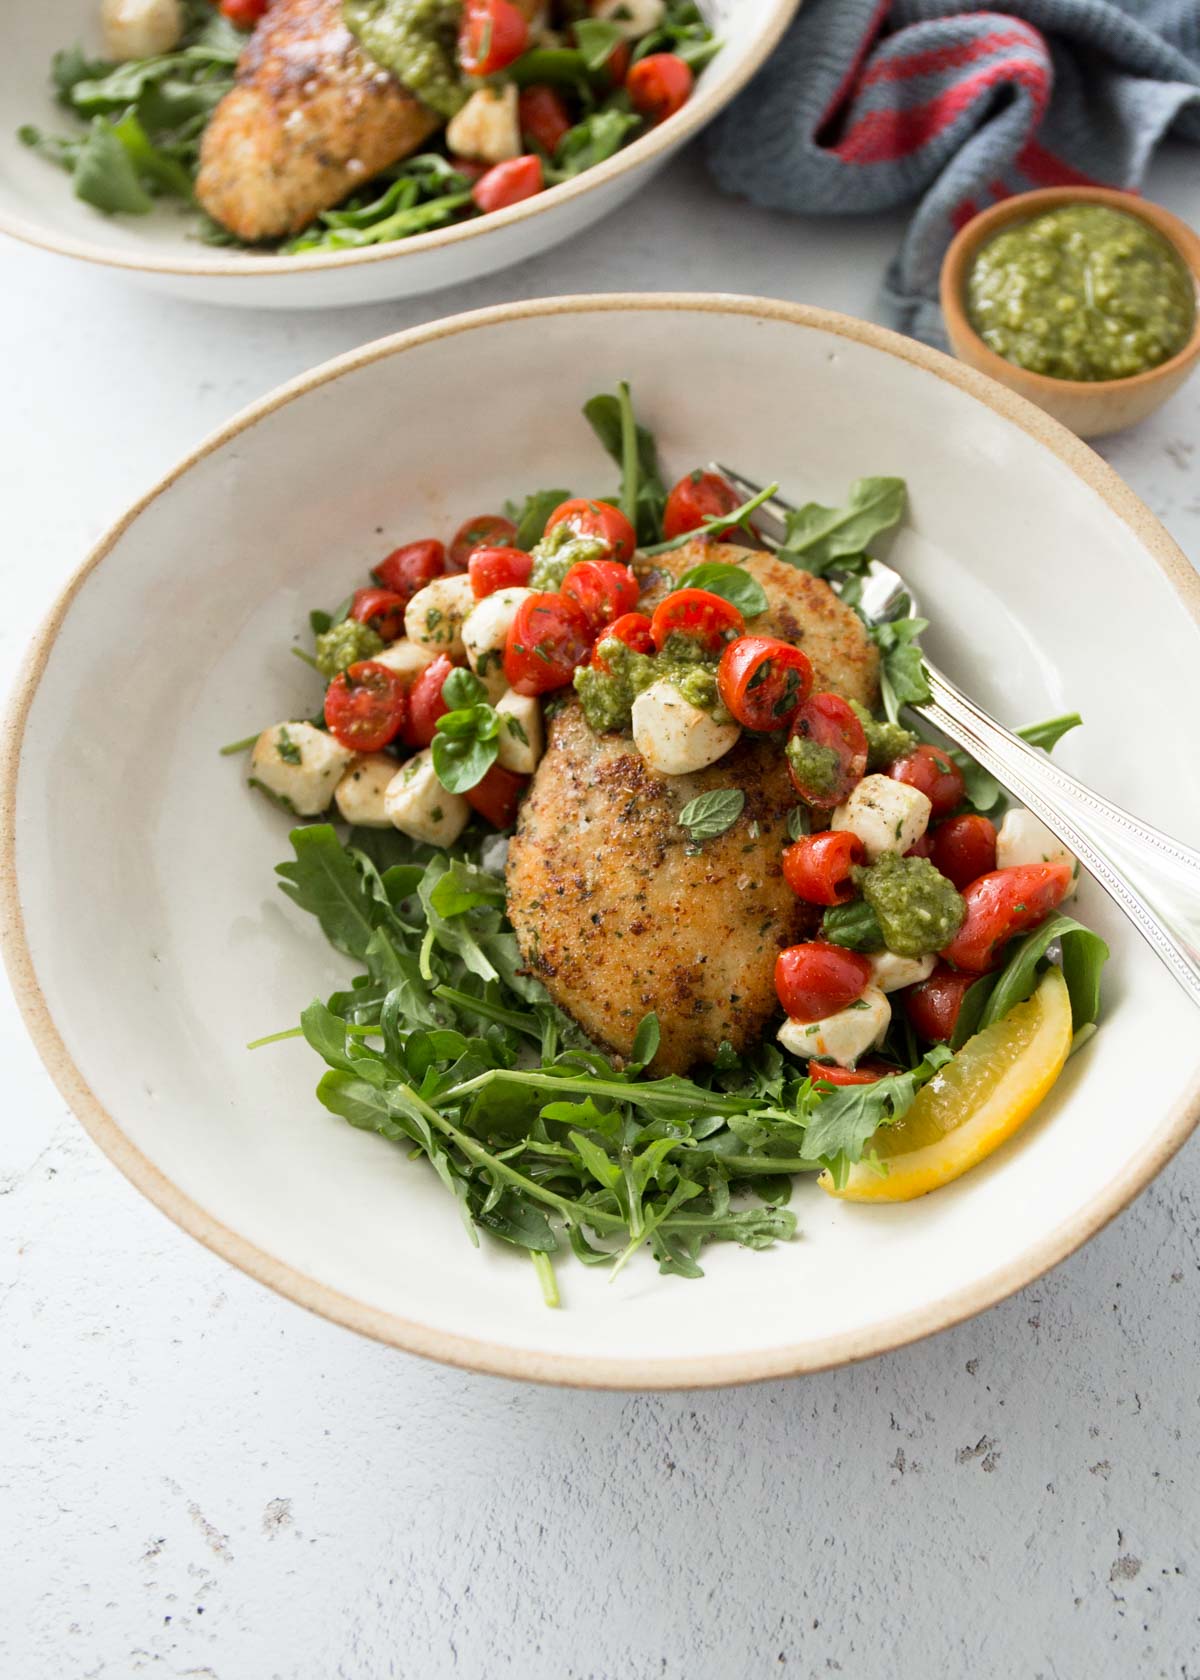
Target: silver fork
[{"x": 1153, "y": 878}]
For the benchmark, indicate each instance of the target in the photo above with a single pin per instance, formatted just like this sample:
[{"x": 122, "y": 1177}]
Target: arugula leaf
[
  {"x": 608, "y": 416},
  {"x": 596, "y": 137},
  {"x": 682, "y": 31},
  {"x": 819, "y": 538},
  {"x": 531, "y": 516},
  {"x": 1084, "y": 954},
  {"x": 712, "y": 813},
  {"x": 844, "y": 1119},
  {"x": 323, "y": 880},
  {"x": 597, "y": 39},
  {"x": 105, "y": 175},
  {"x": 715, "y": 524},
  {"x": 1047, "y": 735},
  {"x": 983, "y": 790},
  {"x": 731, "y": 583}
]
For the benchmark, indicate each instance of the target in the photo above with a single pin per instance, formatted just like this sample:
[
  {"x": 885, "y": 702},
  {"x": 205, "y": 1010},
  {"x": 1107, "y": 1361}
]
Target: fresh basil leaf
[
  {"x": 732, "y": 583},
  {"x": 461, "y": 762},
  {"x": 821, "y": 537},
  {"x": 463, "y": 688},
  {"x": 799, "y": 822},
  {"x": 712, "y": 813},
  {"x": 853, "y": 925}
]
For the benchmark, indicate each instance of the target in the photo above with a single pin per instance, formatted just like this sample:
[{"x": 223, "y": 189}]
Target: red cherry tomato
[
  {"x": 491, "y": 35},
  {"x": 425, "y": 703},
  {"x": 497, "y": 796},
  {"x": 544, "y": 118},
  {"x": 762, "y": 681},
  {"x": 963, "y": 848},
  {"x": 410, "y": 568},
  {"x": 508, "y": 183},
  {"x": 933, "y": 773},
  {"x": 869, "y": 1072},
  {"x": 597, "y": 519},
  {"x": 659, "y": 85},
  {"x": 707, "y": 618},
  {"x": 817, "y": 867},
  {"x": 697, "y": 497},
  {"x": 547, "y": 639},
  {"x": 603, "y": 590},
  {"x": 616, "y": 65},
  {"x": 922, "y": 847},
  {"x": 827, "y": 720},
  {"x": 244, "y": 13},
  {"x": 631, "y": 628},
  {"x": 815, "y": 980},
  {"x": 383, "y": 609},
  {"x": 498, "y": 568},
  {"x": 1004, "y": 903},
  {"x": 365, "y": 706},
  {"x": 933, "y": 1004},
  {"x": 485, "y": 530}
]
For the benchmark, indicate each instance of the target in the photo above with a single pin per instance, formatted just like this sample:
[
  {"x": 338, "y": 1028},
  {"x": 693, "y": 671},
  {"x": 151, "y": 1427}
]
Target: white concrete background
[{"x": 198, "y": 1479}]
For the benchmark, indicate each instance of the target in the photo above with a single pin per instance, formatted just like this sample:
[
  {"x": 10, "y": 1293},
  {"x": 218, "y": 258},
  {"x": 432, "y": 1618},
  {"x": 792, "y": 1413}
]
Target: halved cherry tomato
[
  {"x": 547, "y": 639},
  {"x": 508, "y": 183},
  {"x": 933, "y": 773},
  {"x": 603, "y": 590},
  {"x": 1004, "y": 903},
  {"x": 963, "y": 848},
  {"x": 816, "y": 979},
  {"x": 543, "y": 115},
  {"x": 597, "y": 519},
  {"x": 498, "y": 568},
  {"x": 244, "y": 13},
  {"x": 631, "y": 628},
  {"x": 411, "y": 567},
  {"x": 484, "y": 530},
  {"x": 869, "y": 1072},
  {"x": 425, "y": 703},
  {"x": 365, "y": 706},
  {"x": 497, "y": 796},
  {"x": 817, "y": 866},
  {"x": 697, "y": 497},
  {"x": 491, "y": 35},
  {"x": 707, "y": 618},
  {"x": 933, "y": 1004},
  {"x": 659, "y": 85},
  {"x": 616, "y": 65},
  {"x": 383, "y": 609},
  {"x": 763, "y": 680},
  {"x": 827, "y": 720}
]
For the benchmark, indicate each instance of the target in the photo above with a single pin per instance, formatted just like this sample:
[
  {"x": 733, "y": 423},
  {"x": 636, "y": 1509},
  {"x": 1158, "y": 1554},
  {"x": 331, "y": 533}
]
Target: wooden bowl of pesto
[{"x": 1082, "y": 299}]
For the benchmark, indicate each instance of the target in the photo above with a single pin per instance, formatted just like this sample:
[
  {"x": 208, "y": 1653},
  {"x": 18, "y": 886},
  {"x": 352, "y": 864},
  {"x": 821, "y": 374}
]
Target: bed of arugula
[
  {"x": 145, "y": 120},
  {"x": 442, "y": 1043}
]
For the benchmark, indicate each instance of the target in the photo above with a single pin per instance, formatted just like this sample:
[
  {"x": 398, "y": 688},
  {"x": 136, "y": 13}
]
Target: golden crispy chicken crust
[
  {"x": 616, "y": 911},
  {"x": 312, "y": 117}
]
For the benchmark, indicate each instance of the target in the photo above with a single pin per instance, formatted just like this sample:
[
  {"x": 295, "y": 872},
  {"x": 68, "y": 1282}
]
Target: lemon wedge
[{"x": 972, "y": 1104}]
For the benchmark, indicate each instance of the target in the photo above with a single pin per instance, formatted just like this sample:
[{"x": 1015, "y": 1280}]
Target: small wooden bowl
[{"x": 1091, "y": 408}]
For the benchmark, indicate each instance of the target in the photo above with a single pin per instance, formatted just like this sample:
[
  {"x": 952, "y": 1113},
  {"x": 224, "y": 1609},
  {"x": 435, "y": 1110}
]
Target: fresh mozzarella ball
[
  {"x": 522, "y": 736},
  {"x": 300, "y": 765},
  {"x": 631, "y": 17},
  {"x": 140, "y": 28},
  {"x": 434, "y": 617},
  {"x": 359, "y": 794},
  {"x": 484, "y": 633},
  {"x": 419, "y": 806},
  {"x": 488, "y": 126},
  {"x": 1024, "y": 838},
  {"x": 407, "y": 659},
  {"x": 886, "y": 815},
  {"x": 890, "y": 972},
  {"x": 844, "y": 1037},
  {"x": 675, "y": 737}
]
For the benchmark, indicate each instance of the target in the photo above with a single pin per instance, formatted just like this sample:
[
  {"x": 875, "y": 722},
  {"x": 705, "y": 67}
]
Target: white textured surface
[{"x": 198, "y": 1479}]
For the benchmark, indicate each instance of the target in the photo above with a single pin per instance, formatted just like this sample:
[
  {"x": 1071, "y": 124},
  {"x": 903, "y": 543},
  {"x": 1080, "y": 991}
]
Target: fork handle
[{"x": 1155, "y": 879}]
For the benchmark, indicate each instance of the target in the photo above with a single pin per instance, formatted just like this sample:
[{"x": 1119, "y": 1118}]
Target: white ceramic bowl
[
  {"x": 147, "y": 940},
  {"x": 37, "y": 204}
]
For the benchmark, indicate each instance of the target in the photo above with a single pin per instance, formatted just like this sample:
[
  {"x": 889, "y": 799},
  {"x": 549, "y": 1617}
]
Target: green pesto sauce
[
  {"x": 345, "y": 645},
  {"x": 917, "y": 908},
  {"x": 886, "y": 742},
  {"x": 558, "y": 551},
  {"x": 607, "y": 696},
  {"x": 417, "y": 41},
  {"x": 1084, "y": 292},
  {"x": 817, "y": 768}
]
